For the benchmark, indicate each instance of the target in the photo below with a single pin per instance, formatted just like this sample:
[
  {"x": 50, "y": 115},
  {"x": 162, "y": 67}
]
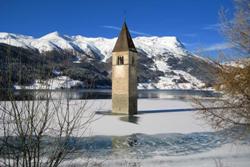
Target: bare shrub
[
  {"x": 39, "y": 130},
  {"x": 233, "y": 79}
]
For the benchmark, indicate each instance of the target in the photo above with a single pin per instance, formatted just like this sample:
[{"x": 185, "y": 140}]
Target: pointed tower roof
[{"x": 124, "y": 41}]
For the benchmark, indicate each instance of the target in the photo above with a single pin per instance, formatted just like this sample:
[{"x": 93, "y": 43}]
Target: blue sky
[{"x": 194, "y": 22}]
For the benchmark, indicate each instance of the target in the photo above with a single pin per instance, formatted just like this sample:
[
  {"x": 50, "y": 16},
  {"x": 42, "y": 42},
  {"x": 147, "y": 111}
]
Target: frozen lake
[
  {"x": 106, "y": 94},
  {"x": 166, "y": 132}
]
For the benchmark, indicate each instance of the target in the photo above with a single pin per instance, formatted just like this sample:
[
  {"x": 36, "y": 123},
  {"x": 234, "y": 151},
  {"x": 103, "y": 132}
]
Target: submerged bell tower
[{"x": 124, "y": 76}]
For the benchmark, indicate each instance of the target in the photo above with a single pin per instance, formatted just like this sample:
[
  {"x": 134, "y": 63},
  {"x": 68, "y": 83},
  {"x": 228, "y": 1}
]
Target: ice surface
[
  {"x": 165, "y": 132},
  {"x": 159, "y": 116}
]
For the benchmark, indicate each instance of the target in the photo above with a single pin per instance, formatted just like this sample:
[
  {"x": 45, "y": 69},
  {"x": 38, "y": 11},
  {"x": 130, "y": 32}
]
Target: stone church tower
[{"x": 124, "y": 77}]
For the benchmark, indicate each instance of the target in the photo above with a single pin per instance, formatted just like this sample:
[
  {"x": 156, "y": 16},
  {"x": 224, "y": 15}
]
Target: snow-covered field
[
  {"x": 64, "y": 82},
  {"x": 60, "y": 82},
  {"x": 154, "y": 116},
  {"x": 166, "y": 132}
]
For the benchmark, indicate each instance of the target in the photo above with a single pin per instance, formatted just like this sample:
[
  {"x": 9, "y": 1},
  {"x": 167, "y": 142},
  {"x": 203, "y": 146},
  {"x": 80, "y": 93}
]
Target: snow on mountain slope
[
  {"x": 159, "y": 45},
  {"x": 163, "y": 63},
  {"x": 54, "y": 41},
  {"x": 238, "y": 63},
  {"x": 60, "y": 82},
  {"x": 16, "y": 40},
  {"x": 50, "y": 42}
]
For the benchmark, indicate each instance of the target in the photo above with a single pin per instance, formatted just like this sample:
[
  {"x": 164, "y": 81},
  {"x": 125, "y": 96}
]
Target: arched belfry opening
[
  {"x": 120, "y": 60},
  {"x": 124, "y": 75}
]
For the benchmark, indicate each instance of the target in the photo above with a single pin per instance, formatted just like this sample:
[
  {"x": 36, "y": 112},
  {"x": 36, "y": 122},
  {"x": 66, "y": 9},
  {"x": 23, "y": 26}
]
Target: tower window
[
  {"x": 133, "y": 60},
  {"x": 120, "y": 60}
]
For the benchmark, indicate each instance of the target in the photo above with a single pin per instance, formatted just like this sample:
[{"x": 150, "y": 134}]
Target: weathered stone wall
[{"x": 124, "y": 84}]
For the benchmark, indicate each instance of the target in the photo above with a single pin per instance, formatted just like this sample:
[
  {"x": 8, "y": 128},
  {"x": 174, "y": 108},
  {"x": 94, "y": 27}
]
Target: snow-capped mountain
[
  {"x": 55, "y": 41},
  {"x": 163, "y": 63},
  {"x": 243, "y": 62}
]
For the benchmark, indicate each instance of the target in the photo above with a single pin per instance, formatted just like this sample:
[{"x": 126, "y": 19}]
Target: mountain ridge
[{"x": 164, "y": 62}]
